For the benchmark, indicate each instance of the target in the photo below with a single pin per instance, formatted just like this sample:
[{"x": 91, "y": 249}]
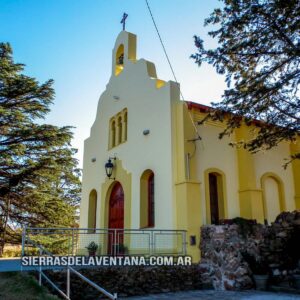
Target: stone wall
[
  {"x": 282, "y": 247},
  {"x": 223, "y": 250},
  {"x": 221, "y": 258},
  {"x": 129, "y": 281}
]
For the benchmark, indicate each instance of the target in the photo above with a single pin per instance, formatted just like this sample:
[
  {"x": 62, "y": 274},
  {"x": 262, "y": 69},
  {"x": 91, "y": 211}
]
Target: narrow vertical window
[
  {"x": 113, "y": 134},
  {"x": 120, "y": 130},
  {"x": 125, "y": 126},
  {"x": 151, "y": 200},
  {"x": 214, "y": 198},
  {"x": 147, "y": 200}
]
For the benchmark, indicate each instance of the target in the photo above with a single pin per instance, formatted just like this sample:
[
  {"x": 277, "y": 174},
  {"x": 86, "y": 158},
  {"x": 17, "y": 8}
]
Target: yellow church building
[{"x": 145, "y": 169}]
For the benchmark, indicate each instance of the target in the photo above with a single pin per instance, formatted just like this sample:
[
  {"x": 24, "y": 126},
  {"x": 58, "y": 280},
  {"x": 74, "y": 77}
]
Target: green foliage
[
  {"x": 39, "y": 178},
  {"x": 92, "y": 247},
  {"x": 259, "y": 53},
  {"x": 122, "y": 249},
  {"x": 20, "y": 285},
  {"x": 58, "y": 244}
]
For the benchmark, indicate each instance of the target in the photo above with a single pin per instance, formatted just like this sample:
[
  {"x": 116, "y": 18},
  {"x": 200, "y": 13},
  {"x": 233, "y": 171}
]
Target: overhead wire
[{"x": 172, "y": 70}]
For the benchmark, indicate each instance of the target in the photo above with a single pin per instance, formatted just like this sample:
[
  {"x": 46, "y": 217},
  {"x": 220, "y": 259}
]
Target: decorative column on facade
[
  {"x": 188, "y": 201},
  {"x": 251, "y": 201}
]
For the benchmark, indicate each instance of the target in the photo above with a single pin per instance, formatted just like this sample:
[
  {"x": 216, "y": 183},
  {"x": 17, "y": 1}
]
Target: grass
[{"x": 20, "y": 285}]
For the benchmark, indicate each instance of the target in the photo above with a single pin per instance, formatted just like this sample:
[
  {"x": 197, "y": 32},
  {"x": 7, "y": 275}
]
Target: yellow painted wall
[
  {"x": 243, "y": 172},
  {"x": 187, "y": 187},
  {"x": 215, "y": 154},
  {"x": 189, "y": 213}
]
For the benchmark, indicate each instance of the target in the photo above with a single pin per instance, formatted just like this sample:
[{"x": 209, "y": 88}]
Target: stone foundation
[
  {"x": 222, "y": 248},
  {"x": 221, "y": 258},
  {"x": 130, "y": 281}
]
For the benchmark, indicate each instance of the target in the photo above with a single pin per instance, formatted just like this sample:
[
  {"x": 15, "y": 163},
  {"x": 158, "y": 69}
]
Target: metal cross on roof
[{"x": 123, "y": 21}]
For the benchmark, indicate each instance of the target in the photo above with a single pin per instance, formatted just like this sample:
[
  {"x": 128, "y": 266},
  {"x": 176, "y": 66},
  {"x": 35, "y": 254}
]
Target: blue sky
[{"x": 71, "y": 41}]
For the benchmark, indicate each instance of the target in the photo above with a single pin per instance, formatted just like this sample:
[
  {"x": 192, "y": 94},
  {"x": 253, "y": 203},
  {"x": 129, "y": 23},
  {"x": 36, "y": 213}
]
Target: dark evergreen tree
[
  {"x": 259, "y": 53},
  {"x": 39, "y": 178}
]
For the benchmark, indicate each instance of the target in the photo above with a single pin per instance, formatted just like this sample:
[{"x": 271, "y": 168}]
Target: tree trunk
[{"x": 2, "y": 242}]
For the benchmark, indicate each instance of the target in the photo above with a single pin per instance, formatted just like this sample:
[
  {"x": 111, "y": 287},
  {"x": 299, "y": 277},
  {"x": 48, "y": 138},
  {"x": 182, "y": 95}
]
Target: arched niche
[
  {"x": 273, "y": 196},
  {"x": 92, "y": 215}
]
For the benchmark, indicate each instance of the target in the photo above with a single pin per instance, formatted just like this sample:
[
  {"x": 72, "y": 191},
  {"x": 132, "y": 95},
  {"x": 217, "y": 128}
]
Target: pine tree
[
  {"x": 259, "y": 53},
  {"x": 39, "y": 178}
]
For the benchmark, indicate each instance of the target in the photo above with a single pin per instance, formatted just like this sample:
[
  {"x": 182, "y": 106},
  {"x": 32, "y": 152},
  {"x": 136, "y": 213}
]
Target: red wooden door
[{"x": 116, "y": 218}]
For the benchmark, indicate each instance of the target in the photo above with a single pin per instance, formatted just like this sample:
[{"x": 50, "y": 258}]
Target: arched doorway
[
  {"x": 116, "y": 218},
  {"x": 215, "y": 193}
]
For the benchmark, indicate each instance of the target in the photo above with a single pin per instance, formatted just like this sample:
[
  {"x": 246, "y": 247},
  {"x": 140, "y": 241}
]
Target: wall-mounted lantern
[{"x": 109, "y": 166}]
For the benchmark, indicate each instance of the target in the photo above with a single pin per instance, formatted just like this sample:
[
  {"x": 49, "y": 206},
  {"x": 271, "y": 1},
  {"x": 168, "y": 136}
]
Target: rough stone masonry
[{"x": 222, "y": 248}]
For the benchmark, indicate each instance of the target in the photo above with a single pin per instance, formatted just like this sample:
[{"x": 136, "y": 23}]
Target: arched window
[
  {"x": 151, "y": 215},
  {"x": 273, "y": 196},
  {"x": 120, "y": 130},
  {"x": 215, "y": 196},
  {"x": 119, "y": 60},
  {"x": 125, "y": 126},
  {"x": 113, "y": 134},
  {"x": 147, "y": 198},
  {"x": 92, "y": 209}
]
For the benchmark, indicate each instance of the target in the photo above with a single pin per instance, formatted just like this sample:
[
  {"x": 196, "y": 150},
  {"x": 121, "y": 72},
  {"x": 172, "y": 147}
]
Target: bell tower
[{"x": 123, "y": 51}]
